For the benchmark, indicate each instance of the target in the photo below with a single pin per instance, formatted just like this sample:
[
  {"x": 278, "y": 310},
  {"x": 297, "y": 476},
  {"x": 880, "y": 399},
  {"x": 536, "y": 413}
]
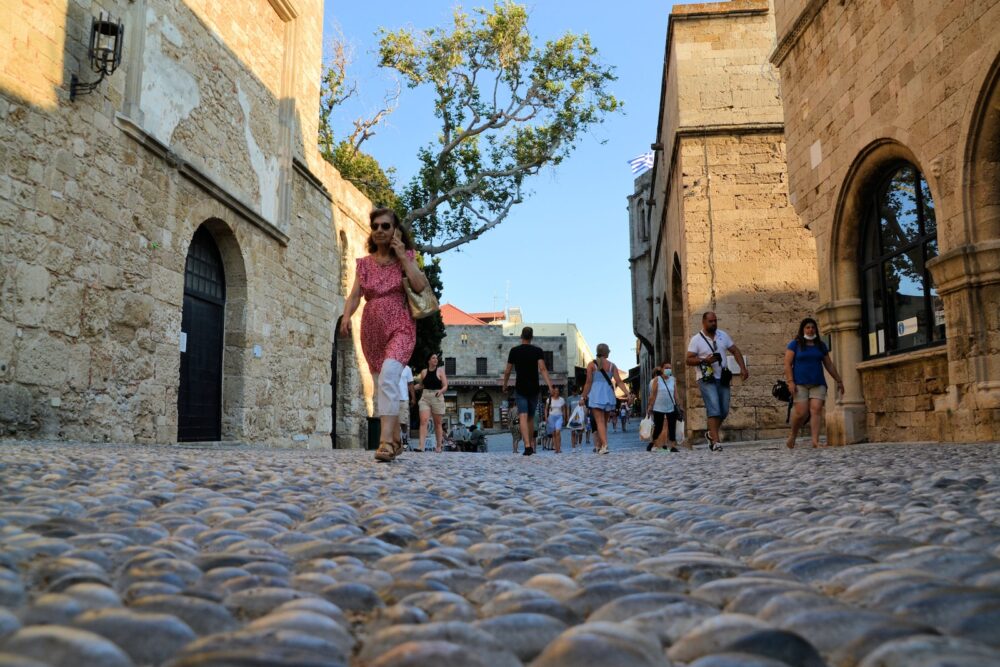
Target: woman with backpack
[
  {"x": 599, "y": 394},
  {"x": 805, "y": 358},
  {"x": 663, "y": 405}
]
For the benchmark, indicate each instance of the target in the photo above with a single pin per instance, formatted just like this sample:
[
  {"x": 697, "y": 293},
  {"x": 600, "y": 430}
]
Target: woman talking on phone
[{"x": 388, "y": 331}]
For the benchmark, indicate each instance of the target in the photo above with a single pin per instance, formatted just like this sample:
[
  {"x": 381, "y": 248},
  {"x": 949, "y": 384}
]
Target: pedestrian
[
  {"x": 709, "y": 350},
  {"x": 805, "y": 358},
  {"x": 408, "y": 395},
  {"x": 623, "y": 416},
  {"x": 664, "y": 406},
  {"x": 434, "y": 382},
  {"x": 599, "y": 394},
  {"x": 556, "y": 414},
  {"x": 528, "y": 361},
  {"x": 388, "y": 331},
  {"x": 613, "y": 418},
  {"x": 578, "y": 423}
]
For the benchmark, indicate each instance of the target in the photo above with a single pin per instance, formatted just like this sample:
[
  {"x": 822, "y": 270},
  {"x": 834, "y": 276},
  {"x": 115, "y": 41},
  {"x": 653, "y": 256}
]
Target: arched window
[{"x": 902, "y": 310}]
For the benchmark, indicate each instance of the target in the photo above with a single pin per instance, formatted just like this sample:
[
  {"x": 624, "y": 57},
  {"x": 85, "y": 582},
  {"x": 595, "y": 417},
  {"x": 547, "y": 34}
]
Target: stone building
[
  {"x": 893, "y": 129},
  {"x": 175, "y": 252},
  {"x": 640, "y": 258},
  {"x": 715, "y": 220},
  {"x": 475, "y": 352}
]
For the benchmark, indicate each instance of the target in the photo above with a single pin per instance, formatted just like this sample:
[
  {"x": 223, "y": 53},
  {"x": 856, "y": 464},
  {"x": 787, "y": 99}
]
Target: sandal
[{"x": 385, "y": 452}]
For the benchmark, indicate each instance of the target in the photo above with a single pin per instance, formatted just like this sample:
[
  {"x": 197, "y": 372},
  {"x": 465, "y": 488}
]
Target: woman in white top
[
  {"x": 556, "y": 412},
  {"x": 664, "y": 404},
  {"x": 578, "y": 422}
]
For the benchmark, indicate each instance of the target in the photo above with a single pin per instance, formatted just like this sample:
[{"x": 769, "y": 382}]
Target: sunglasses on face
[{"x": 384, "y": 226}]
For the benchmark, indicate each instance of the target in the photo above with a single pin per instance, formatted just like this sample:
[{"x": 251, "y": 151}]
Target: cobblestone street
[{"x": 880, "y": 556}]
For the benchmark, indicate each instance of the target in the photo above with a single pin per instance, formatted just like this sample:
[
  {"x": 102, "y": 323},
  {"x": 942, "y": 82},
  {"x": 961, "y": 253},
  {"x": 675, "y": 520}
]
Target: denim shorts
[
  {"x": 716, "y": 398},
  {"x": 526, "y": 404}
]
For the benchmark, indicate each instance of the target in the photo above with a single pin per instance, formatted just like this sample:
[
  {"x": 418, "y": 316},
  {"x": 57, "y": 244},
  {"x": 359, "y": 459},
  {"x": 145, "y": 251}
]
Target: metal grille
[{"x": 203, "y": 272}]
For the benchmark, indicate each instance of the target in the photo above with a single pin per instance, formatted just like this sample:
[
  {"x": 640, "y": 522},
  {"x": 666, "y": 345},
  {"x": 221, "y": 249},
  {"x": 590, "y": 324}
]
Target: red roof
[
  {"x": 452, "y": 315},
  {"x": 490, "y": 316}
]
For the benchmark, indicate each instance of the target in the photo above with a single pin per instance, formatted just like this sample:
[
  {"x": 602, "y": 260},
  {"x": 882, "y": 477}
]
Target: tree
[
  {"x": 358, "y": 167},
  {"x": 507, "y": 108}
]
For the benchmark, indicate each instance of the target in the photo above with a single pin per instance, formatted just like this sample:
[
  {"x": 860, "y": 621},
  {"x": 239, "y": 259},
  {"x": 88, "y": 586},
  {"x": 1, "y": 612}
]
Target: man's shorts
[
  {"x": 404, "y": 413},
  {"x": 431, "y": 403},
  {"x": 526, "y": 404},
  {"x": 716, "y": 399},
  {"x": 804, "y": 392}
]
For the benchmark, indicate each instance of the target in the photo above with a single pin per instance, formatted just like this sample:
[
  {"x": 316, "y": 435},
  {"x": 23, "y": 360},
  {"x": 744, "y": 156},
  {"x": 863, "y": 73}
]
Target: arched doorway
[
  {"x": 199, "y": 396},
  {"x": 482, "y": 403}
]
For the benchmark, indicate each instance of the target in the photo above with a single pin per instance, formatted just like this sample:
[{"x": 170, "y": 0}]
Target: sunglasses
[{"x": 385, "y": 226}]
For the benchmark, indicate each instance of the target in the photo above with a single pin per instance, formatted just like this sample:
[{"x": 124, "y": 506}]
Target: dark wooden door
[{"x": 199, "y": 399}]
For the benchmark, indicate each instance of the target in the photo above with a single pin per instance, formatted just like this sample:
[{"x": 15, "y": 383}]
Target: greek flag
[{"x": 641, "y": 163}]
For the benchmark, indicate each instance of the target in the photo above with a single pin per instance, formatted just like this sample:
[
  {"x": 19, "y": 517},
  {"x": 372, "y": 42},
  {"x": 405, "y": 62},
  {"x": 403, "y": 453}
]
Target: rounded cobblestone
[{"x": 870, "y": 556}]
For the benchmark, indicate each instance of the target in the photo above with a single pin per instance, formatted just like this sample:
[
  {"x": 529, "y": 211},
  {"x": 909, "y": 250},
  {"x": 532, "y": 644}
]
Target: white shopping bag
[
  {"x": 680, "y": 430},
  {"x": 646, "y": 429}
]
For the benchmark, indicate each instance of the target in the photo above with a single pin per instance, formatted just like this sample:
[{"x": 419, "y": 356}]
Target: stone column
[
  {"x": 846, "y": 418},
  {"x": 968, "y": 280}
]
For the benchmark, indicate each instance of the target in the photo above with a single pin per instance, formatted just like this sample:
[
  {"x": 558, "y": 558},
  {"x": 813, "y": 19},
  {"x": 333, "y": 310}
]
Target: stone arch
[
  {"x": 982, "y": 161},
  {"x": 849, "y": 217},
  {"x": 225, "y": 231}
]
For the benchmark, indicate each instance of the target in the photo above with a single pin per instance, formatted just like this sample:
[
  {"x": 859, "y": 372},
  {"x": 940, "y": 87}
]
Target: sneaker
[
  {"x": 602, "y": 450},
  {"x": 674, "y": 449},
  {"x": 528, "y": 451}
]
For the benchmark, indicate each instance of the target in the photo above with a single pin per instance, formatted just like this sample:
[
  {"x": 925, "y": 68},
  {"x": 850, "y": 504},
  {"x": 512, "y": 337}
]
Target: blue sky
[{"x": 562, "y": 255}]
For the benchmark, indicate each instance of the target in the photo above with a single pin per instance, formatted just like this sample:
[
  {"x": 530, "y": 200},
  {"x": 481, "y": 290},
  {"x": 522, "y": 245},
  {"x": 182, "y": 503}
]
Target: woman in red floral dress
[{"x": 388, "y": 332}]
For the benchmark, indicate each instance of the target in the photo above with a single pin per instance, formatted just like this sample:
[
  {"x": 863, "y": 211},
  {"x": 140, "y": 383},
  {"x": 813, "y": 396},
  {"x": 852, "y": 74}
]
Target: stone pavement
[{"x": 875, "y": 555}]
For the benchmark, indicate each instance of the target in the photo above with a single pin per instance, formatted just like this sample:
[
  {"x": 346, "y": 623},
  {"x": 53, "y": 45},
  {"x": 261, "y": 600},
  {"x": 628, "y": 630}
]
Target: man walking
[
  {"x": 708, "y": 350},
  {"x": 527, "y": 361}
]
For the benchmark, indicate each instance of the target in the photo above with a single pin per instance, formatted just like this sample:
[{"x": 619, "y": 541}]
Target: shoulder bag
[{"x": 422, "y": 304}]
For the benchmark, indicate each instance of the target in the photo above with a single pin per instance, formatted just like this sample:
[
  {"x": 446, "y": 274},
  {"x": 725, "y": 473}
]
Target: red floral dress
[{"x": 387, "y": 328}]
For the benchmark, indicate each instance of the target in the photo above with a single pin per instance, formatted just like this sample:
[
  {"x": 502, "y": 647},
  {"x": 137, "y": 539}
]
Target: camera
[{"x": 716, "y": 358}]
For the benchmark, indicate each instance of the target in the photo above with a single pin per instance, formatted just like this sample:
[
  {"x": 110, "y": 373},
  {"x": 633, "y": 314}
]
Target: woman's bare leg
[
  {"x": 601, "y": 435},
  {"x": 424, "y": 417},
  {"x": 798, "y": 416},
  {"x": 438, "y": 433},
  {"x": 815, "y": 419}
]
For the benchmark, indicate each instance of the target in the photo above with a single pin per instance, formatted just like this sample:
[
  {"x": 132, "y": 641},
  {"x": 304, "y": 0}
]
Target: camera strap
[{"x": 723, "y": 362}]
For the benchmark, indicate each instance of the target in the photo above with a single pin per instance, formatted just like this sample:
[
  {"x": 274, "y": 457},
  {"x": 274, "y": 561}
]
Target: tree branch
[{"x": 472, "y": 236}]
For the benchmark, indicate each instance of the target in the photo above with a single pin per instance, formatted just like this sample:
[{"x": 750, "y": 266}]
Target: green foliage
[
  {"x": 367, "y": 175},
  {"x": 507, "y": 106}
]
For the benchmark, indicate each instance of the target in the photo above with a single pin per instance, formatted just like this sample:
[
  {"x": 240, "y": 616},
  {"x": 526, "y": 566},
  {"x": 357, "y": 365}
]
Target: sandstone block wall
[
  {"x": 869, "y": 83},
  {"x": 745, "y": 255},
  {"x": 99, "y": 199}
]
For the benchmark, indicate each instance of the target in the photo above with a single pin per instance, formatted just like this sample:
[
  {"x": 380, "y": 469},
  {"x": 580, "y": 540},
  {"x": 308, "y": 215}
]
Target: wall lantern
[{"x": 104, "y": 52}]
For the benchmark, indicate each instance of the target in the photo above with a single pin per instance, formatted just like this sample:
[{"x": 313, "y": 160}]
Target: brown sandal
[{"x": 385, "y": 452}]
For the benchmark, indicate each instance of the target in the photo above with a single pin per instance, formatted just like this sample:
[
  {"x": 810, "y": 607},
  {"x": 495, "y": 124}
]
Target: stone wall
[
  {"x": 900, "y": 399},
  {"x": 867, "y": 84},
  {"x": 99, "y": 199}
]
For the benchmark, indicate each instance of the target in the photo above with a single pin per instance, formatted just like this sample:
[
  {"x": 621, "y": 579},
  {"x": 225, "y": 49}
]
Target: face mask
[
  {"x": 668, "y": 372},
  {"x": 808, "y": 337}
]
